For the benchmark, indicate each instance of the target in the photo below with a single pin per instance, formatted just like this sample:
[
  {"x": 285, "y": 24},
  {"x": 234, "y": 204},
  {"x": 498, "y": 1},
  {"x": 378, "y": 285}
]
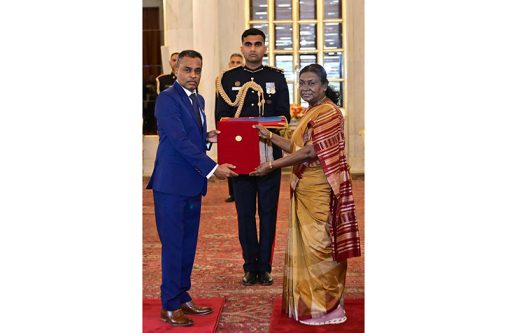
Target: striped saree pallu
[{"x": 325, "y": 123}]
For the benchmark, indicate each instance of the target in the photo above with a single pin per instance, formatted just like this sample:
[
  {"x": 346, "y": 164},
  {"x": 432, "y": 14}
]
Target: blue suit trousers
[{"x": 177, "y": 219}]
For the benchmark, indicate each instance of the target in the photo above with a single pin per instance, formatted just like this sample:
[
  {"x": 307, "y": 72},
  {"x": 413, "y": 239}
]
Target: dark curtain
[{"x": 152, "y": 65}]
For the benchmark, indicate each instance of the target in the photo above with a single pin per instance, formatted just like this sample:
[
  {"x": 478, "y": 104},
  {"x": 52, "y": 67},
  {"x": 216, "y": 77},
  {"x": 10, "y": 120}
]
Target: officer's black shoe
[
  {"x": 229, "y": 199},
  {"x": 265, "y": 279},
  {"x": 249, "y": 279}
]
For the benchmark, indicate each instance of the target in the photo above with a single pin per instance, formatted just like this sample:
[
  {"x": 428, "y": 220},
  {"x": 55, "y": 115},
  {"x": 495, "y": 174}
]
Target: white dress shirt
[{"x": 188, "y": 92}]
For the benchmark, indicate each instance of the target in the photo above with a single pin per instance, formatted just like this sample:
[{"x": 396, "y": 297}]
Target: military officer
[
  {"x": 164, "y": 81},
  {"x": 255, "y": 90}
]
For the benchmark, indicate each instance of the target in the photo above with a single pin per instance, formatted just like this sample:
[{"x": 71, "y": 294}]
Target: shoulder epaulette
[
  {"x": 158, "y": 82},
  {"x": 161, "y": 76},
  {"x": 274, "y": 68},
  {"x": 218, "y": 79},
  {"x": 229, "y": 69}
]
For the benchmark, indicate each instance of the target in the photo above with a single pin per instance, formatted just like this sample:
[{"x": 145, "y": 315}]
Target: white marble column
[
  {"x": 205, "y": 34},
  {"x": 355, "y": 84},
  {"x": 179, "y": 24},
  {"x": 231, "y": 17}
]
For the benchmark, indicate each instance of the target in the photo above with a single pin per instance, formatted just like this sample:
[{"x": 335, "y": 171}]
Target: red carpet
[
  {"x": 218, "y": 266},
  {"x": 202, "y": 324},
  {"x": 354, "y": 324}
]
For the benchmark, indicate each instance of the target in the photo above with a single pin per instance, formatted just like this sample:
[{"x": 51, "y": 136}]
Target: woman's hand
[
  {"x": 262, "y": 169},
  {"x": 263, "y": 131}
]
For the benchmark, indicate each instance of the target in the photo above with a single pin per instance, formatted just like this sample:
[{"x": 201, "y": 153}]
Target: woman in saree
[{"x": 323, "y": 231}]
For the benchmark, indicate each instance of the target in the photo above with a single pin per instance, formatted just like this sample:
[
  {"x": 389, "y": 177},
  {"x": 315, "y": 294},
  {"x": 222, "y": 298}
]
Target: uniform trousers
[
  {"x": 231, "y": 188},
  {"x": 257, "y": 251},
  {"x": 178, "y": 226}
]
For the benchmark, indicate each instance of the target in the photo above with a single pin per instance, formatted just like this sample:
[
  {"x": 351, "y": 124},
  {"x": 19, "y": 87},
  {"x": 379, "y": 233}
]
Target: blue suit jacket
[{"x": 181, "y": 165}]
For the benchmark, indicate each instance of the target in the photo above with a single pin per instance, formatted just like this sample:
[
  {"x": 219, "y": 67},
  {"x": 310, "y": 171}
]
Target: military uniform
[
  {"x": 164, "y": 81},
  {"x": 257, "y": 252},
  {"x": 149, "y": 98}
]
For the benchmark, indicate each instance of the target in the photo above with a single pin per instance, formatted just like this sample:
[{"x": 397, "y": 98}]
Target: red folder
[{"x": 238, "y": 144}]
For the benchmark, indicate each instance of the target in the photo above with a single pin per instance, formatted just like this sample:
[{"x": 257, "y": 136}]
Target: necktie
[{"x": 195, "y": 105}]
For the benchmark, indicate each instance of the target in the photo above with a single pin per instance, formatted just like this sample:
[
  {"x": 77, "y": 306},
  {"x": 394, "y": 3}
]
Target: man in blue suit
[{"x": 179, "y": 181}]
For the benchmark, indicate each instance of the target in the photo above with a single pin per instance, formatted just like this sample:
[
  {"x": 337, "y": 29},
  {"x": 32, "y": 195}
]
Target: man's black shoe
[
  {"x": 229, "y": 199},
  {"x": 249, "y": 279},
  {"x": 265, "y": 279}
]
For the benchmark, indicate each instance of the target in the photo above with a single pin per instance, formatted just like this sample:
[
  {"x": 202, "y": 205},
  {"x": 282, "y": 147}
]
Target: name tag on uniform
[
  {"x": 270, "y": 88},
  {"x": 236, "y": 88}
]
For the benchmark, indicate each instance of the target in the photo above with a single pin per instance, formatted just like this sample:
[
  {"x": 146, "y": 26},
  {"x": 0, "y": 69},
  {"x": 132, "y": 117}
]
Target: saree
[{"x": 323, "y": 229}]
